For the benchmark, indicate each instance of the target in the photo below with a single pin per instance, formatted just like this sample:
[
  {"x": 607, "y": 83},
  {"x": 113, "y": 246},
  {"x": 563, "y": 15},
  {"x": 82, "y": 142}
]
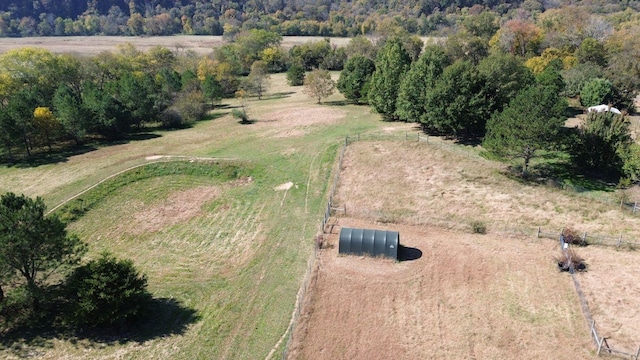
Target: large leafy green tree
[
  {"x": 70, "y": 112},
  {"x": 596, "y": 91},
  {"x": 33, "y": 245},
  {"x": 411, "y": 103},
  {"x": 249, "y": 46},
  {"x": 459, "y": 103},
  {"x": 106, "y": 291},
  {"x": 355, "y": 76},
  {"x": 602, "y": 143},
  {"x": 392, "y": 63},
  {"x": 505, "y": 76},
  {"x": 531, "y": 122}
]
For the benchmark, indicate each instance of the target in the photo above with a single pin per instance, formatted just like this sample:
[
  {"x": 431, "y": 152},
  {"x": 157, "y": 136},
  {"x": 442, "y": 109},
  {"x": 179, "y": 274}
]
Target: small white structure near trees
[{"x": 601, "y": 108}]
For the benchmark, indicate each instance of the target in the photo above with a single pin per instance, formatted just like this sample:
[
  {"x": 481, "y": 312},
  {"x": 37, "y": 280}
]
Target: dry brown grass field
[
  {"x": 497, "y": 296},
  {"x": 92, "y": 45}
]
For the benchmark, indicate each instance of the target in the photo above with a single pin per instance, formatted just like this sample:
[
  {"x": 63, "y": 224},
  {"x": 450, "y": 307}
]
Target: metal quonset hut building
[{"x": 369, "y": 242}]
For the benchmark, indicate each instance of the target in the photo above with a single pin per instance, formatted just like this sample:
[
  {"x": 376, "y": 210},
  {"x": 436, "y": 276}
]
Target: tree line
[
  {"x": 508, "y": 87},
  {"x": 50, "y": 103},
  {"x": 301, "y": 17}
]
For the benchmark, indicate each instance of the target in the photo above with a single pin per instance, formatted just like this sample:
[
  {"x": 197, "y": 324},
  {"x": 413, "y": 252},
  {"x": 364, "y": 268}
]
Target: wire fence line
[
  {"x": 600, "y": 342},
  {"x": 311, "y": 270},
  {"x": 312, "y": 263}
]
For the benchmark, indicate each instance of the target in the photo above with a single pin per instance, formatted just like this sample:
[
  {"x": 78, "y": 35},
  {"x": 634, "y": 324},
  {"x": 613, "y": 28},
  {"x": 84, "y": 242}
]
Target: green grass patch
[{"x": 220, "y": 171}]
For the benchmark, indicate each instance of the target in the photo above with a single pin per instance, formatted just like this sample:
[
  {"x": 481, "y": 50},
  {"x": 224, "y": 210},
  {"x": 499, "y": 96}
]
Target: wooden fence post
[
  {"x": 635, "y": 204},
  {"x": 619, "y": 241},
  {"x": 538, "y": 235},
  {"x": 584, "y": 238}
]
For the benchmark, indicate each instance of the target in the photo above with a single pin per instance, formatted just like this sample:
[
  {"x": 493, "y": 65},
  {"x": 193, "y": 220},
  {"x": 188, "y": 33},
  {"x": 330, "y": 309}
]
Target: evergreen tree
[
  {"x": 32, "y": 245},
  {"x": 106, "y": 291},
  {"x": 531, "y": 122},
  {"x": 417, "y": 83},
  {"x": 355, "y": 76},
  {"x": 295, "y": 75},
  {"x": 602, "y": 142},
  {"x": 391, "y": 64}
]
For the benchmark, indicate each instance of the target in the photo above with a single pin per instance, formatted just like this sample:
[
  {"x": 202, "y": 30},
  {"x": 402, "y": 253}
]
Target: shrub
[
  {"x": 171, "y": 118},
  {"x": 106, "y": 292},
  {"x": 572, "y": 237},
  {"x": 479, "y": 227},
  {"x": 295, "y": 75}
]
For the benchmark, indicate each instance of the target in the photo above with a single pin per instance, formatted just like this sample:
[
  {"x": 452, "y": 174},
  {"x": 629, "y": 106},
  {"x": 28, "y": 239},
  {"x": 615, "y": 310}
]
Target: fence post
[
  {"x": 538, "y": 234},
  {"x": 584, "y": 238},
  {"x": 619, "y": 241},
  {"x": 638, "y": 353},
  {"x": 634, "y": 207}
]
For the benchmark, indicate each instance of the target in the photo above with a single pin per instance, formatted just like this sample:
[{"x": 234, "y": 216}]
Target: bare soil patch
[
  {"x": 466, "y": 297},
  {"x": 179, "y": 207},
  {"x": 297, "y": 121}
]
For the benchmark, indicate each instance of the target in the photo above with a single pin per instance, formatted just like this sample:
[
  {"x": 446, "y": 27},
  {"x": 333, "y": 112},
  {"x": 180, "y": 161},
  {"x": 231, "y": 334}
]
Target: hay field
[
  {"x": 495, "y": 296},
  {"x": 93, "y": 45}
]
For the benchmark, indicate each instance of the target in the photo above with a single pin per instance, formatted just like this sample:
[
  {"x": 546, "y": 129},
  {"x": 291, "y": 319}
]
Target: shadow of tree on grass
[{"x": 33, "y": 335}]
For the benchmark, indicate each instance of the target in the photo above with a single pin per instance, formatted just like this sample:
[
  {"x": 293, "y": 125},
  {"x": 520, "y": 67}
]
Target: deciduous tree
[
  {"x": 459, "y": 103},
  {"x": 318, "y": 84},
  {"x": 258, "y": 79},
  {"x": 419, "y": 80}
]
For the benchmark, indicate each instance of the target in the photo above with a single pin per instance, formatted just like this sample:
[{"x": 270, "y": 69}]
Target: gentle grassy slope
[{"x": 239, "y": 260}]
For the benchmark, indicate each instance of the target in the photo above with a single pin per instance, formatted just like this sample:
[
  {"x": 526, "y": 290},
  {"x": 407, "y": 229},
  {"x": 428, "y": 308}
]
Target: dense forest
[{"x": 299, "y": 17}]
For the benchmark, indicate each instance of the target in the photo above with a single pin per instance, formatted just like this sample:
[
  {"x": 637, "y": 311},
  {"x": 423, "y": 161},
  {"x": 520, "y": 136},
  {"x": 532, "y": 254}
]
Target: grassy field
[
  {"x": 234, "y": 251},
  {"x": 201, "y": 45},
  {"x": 225, "y": 252}
]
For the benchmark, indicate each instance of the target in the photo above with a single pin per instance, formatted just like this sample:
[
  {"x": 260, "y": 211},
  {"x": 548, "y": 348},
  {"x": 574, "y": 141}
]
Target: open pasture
[
  {"x": 93, "y": 45},
  {"x": 497, "y": 296},
  {"x": 224, "y": 255}
]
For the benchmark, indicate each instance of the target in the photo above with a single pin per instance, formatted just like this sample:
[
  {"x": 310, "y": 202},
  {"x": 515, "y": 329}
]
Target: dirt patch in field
[
  {"x": 294, "y": 122},
  {"x": 178, "y": 207},
  {"x": 464, "y": 297}
]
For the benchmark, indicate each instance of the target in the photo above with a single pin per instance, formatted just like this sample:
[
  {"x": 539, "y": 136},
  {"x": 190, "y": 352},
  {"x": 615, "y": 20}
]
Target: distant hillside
[{"x": 287, "y": 17}]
